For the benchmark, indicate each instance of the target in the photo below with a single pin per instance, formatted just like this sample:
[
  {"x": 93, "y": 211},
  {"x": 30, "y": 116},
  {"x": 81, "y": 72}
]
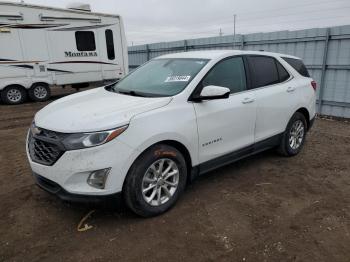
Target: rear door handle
[
  {"x": 291, "y": 89},
  {"x": 248, "y": 100}
]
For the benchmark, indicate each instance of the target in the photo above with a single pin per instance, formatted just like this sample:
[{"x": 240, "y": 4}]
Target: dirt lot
[{"x": 265, "y": 208}]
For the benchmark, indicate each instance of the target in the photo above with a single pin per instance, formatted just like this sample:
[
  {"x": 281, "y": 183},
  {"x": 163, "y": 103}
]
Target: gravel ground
[{"x": 264, "y": 208}]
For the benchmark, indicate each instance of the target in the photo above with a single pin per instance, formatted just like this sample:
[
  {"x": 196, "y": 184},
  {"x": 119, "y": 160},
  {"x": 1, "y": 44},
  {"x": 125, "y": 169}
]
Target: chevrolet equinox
[{"x": 174, "y": 118}]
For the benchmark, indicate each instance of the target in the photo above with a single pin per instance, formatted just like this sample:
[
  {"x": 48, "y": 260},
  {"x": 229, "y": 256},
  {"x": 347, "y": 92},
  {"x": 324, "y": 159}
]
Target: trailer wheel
[
  {"x": 13, "y": 95},
  {"x": 39, "y": 92}
]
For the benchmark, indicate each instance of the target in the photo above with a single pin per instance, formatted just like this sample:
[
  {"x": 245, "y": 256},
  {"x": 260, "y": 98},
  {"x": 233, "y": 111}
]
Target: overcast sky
[{"x": 149, "y": 21}]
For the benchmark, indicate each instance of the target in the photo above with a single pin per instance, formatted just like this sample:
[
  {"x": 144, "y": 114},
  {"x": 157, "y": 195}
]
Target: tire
[
  {"x": 141, "y": 179},
  {"x": 13, "y": 95},
  {"x": 39, "y": 92},
  {"x": 293, "y": 138}
]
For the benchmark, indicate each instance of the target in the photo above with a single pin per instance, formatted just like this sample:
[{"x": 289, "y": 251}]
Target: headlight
[
  {"x": 85, "y": 140},
  {"x": 34, "y": 129}
]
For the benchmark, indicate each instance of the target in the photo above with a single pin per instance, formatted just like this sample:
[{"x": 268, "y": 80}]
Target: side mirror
[{"x": 213, "y": 92}]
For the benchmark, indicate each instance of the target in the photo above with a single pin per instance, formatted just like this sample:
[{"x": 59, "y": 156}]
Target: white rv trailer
[{"x": 43, "y": 46}]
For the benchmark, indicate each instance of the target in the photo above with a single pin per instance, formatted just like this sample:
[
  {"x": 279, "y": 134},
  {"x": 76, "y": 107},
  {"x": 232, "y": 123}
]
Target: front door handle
[
  {"x": 248, "y": 100},
  {"x": 291, "y": 89}
]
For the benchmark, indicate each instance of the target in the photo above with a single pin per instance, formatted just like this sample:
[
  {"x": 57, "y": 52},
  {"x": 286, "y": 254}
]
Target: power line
[
  {"x": 302, "y": 12},
  {"x": 214, "y": 31},
  {"x": 243, "y": 14},
  {"x": 243, "y": 21},
  {"x": 294, "y": 6},
  {"x": 298, "y": 21}
]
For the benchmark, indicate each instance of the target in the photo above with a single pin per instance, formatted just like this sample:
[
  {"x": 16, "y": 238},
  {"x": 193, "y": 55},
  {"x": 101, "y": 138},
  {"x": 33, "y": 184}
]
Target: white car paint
[
  {"x": 241, "y": 120},
  {"x": 94, "y": 110}
]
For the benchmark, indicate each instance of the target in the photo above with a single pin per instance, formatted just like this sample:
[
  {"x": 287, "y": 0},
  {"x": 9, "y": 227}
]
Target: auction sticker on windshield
[{"x": 177, "y": 79}]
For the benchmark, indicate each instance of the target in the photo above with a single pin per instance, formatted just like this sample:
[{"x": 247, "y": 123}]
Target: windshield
[{"x": 160, "y": 77}]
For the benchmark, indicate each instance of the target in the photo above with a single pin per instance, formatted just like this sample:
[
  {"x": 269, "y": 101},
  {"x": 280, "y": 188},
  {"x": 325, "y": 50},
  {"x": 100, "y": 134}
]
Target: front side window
[
  {"x": 85, "y": 41},
  {"x": 228, "y": 73},
  {"x": 110, "y": 44},
  {"x": 160, "y": 77},
  {"x": 263, "y": 71}
]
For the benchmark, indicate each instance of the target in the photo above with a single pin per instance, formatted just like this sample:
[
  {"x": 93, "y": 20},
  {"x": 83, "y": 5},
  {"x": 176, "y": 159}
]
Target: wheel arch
[
  {"x": 183, "y": 150},
  {"x": 14, "y": 85},
  {"x": 40, "y": 83},
  {"x": 174, "y": 143},
  {"x": 306, "y": 114}
]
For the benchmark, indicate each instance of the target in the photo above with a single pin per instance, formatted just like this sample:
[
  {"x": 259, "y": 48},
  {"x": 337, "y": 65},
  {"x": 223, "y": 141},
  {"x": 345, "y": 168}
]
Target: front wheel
[
  {"x": 293, "y": 138},
  {"x": 155, "y": 181}
]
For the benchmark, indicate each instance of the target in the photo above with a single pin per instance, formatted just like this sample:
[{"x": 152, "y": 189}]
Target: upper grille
[{"x": 44, "y": 149}]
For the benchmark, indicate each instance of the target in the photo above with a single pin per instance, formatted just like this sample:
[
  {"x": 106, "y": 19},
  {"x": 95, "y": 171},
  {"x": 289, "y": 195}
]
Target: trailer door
[
  {"x": 10, "y": 55},
  {"x": 112, "y": 54},
  {"x": 35, "y": 50}
]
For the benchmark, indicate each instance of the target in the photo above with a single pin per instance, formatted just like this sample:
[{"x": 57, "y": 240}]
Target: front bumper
[
  {"x": 55, "y": 189},
  {"x": 71, "y": 171}
]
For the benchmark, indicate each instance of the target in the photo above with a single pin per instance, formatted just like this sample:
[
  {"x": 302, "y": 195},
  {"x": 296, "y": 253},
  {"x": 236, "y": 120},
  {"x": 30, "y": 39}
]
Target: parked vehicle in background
[
  {"x": 43, "y": 46},
  {"x": 176, "y": 117}
]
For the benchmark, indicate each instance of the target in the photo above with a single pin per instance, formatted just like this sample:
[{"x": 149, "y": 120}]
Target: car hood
[{"x": 94, "y": 110}]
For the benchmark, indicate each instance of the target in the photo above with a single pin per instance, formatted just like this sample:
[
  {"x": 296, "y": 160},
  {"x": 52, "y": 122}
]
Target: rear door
[
  {"x": 226, "y": 125},
  {"x": 275, "y": 93}
]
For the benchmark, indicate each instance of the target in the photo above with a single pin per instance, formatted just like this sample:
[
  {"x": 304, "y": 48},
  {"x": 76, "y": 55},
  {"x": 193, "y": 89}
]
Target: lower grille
[
  {"x": 47, "y": 184},
  {"x": 43, "y": 152}
]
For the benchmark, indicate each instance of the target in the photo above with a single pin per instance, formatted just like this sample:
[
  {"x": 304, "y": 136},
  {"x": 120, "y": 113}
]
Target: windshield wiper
[{"x": 131, "y": 93}]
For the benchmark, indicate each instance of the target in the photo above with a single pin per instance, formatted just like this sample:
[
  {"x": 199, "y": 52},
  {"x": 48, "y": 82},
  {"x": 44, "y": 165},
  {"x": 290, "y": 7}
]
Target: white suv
[{"x": 175, "y": 117}]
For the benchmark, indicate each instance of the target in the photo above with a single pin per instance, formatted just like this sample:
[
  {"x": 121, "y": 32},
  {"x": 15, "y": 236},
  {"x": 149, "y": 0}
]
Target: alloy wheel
[
  {"x": 296, "y": 134},
  {"x": 160, "y": 182}
]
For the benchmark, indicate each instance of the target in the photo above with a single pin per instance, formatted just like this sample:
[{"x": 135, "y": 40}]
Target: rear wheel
[
  {"x": 155, "y": 181},
  {"x": 13, "y": 95},
  {"x": 294, "y": 137},
  {"x": 39, "y": 92}
]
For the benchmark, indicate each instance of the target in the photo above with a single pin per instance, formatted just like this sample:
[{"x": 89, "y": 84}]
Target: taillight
[{"x": 314, "y": 85}]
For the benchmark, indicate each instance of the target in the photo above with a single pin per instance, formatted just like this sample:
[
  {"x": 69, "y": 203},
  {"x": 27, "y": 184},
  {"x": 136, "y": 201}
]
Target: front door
[{"x": 226, "y": 125}]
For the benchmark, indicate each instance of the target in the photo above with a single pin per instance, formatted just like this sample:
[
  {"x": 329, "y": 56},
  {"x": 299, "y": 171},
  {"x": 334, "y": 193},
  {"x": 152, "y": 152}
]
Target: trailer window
[
  {"x": 85, "y": 40},
  {"x": 110, "y": 44}
]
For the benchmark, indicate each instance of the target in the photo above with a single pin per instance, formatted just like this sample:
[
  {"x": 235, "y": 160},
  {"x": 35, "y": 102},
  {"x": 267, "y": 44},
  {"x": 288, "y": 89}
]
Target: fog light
[{"x": 98, "y": 178}]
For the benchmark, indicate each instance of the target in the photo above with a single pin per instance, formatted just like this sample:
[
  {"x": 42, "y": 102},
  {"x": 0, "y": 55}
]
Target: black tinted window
[
  {"x": 298, "y": 65},
  {"x": 228, "y": 73},
  {"x": 282, "y": 72},
  {"x": 264, "y": 71},
  {"x": 85, "y": 41},
  {"x": 110, "y": 44}
]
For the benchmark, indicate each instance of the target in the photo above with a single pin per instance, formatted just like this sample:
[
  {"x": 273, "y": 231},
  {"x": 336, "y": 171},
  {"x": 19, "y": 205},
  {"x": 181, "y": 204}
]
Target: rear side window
[
  {"x": 228, "y": 73},
  {"x": 298, "y": 65},
  {"x": 85, "y": 41},
  {"x": 282, "y": 72},
  {"x": 263, "y": 70},
  {"x": 110, "y": 44}
]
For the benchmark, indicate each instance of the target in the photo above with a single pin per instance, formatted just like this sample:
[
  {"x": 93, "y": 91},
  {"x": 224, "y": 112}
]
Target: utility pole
[
  {"x": 220, "y": 33},
  {"x": 234, "y": 31}
]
